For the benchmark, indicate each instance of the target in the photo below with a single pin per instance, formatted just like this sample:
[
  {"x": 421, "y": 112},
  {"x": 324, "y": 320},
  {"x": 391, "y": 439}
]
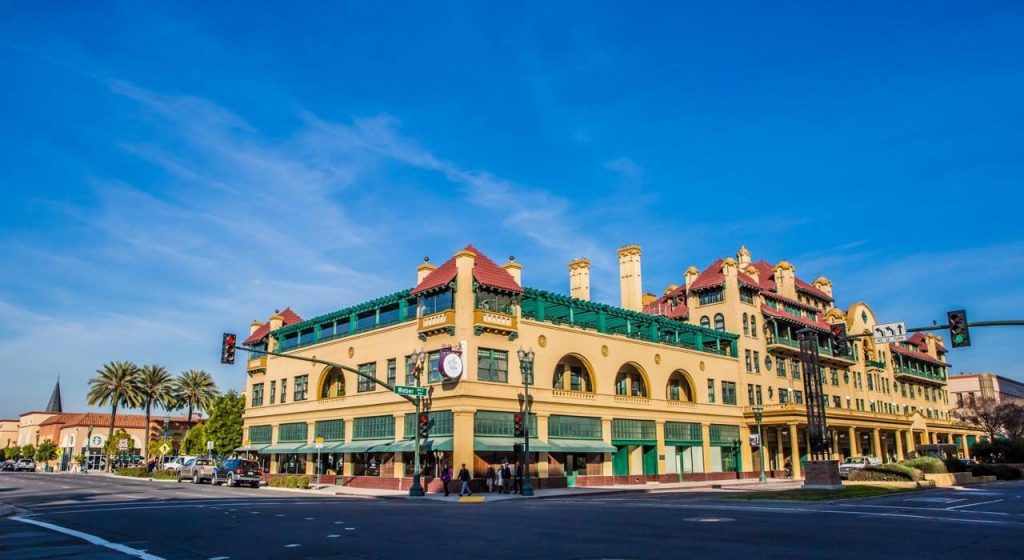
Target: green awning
[
  {"x": 252, "y": 448},
  {"x": 362, "y": 446},
  {"x": 492, "y": 443},
  {"x": 581, "y": 446},
  {"x": 429, "y": 444},
  {"x": 285, "y": 448},
  {"x": 329, "y": 447}
]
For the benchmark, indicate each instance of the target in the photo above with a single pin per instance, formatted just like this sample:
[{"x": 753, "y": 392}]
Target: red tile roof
[
  {"x": 895, "y": 347},
  {"x": 796, "y": 302},
  {"x": 809, "y": 289},
  {"x": 290, "y": 318},
  {"x": 485, "y": 271},
  {"x": 102, "y": 420},
  {"x": 711, "y": 277},
  {"x": 780, "y": 314},
  {"x": 663, "y": 307}
]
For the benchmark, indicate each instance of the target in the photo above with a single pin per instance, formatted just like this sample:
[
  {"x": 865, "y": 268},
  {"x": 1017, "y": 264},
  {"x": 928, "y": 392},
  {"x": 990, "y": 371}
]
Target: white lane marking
[
  {"x": 333, "y": 536},
  {"x": 923, "y": 509},
  {"x": 220, "y": 558},
  {"x": 975, "y": 504},
  {"x": 350, "y": 528},
  {"x": 292, "y": 545},
  {"x": 91, "y": 539},
  {"x": 310, "y": 518},
  {"x": 159, "y": 506},
  {"x": 339, "y": 522}
]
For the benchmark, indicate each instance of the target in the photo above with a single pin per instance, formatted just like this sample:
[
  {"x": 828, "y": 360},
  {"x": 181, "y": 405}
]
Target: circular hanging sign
[{"x": 451, "y": 365}]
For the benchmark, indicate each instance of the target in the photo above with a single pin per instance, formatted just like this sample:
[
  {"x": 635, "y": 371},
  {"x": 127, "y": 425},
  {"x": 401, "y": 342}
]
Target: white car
[
  {"x": 852, "y": 463},
  {"x": 175, "y": 464}
]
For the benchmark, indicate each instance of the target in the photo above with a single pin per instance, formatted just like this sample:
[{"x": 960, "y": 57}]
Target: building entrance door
[{"x": 620, "y": 461}]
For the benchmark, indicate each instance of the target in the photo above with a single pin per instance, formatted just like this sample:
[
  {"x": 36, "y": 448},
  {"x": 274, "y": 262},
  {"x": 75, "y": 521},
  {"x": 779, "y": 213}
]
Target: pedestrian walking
[
  {"x": 519, "y": 478},
  {"x": 506, "y": 478},
  {"x": 446, "y": 477},
  {"x": 464, "y": 479},
  {"x": 789, "y": 469},
  {"x": 490, "y": 478}
]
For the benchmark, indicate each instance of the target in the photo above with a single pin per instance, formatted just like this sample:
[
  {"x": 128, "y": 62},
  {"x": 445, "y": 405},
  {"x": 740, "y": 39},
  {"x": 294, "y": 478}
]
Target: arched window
[
  {"x": 571, "y": 374},
  {"x": 705, "y": 322},
  {"x": 630, "y": 382},
  {"x": 746, "y": 328},
  {"x": 679, "y": 388},
  {"x": 753, "y": 326},
  {"x": 719, "y": 322},
  {"x": 333, "y": 384}
]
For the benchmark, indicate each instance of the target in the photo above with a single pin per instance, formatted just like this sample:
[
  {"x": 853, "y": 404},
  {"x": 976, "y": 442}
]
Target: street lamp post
[
  {"x": 88, "y": 450},
  {"x": 526, "y": 368},
  {"x": 417, "y": 489},
  {"x": 167, "y": 425},
  {"x": 758, "y": 411}
]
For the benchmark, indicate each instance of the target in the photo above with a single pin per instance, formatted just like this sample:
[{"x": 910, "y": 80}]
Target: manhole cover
[{"x": 709, "y": 519}]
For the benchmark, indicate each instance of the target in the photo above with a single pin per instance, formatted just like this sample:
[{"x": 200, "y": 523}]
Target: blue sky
[{"x": 173, "y": 171}]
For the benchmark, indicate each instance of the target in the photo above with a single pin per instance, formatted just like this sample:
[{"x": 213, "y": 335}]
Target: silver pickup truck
[{"x": 198, "y": 470}]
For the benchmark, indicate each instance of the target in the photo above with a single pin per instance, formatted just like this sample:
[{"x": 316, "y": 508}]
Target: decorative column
[
  {"x": 746, "y": 458},
  {"x": 794, "y": 450},
  {"x": 705, "y": 443},
  {"x": 899, "y": 445},
  {"x": 544, "y": 461},
  {"x": 966, "y": 448},
  {"x": 876, "y": 443},
  {"x": 780, "y": 450},
  {"x": 854, "y": 451},
  {"x": 606, "y": 435},
  {"x": 659, "y": 429},
  {"x": 462, "y": 433},
  {"x": 399, "y": 434}
]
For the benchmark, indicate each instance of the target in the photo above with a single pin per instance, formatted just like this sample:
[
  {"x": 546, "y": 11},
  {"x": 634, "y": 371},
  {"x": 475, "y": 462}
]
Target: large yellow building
[{"x": 657, "y": 389}]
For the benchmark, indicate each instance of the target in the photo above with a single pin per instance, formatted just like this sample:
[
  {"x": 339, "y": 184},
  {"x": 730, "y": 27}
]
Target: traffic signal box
[
  {"x": 840, "y": 343},
  {"x": 424, "y": 425},
  {"x": 227, "y": 349},
  {"x": 959, "y": 333},
  {"x": 520, "y": 430}
]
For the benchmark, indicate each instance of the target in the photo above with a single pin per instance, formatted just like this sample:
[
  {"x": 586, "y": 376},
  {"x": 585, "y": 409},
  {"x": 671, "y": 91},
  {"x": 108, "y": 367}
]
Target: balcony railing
[
  {"x": 572, "y": 394},
  {"x": 936, "y": 378},
  {"x": 443, "y": 321},
  {"x": 485, "y": 320},
  {"x": 632, "y": 400},
  {"x": 258, "y": 362},
  {"x": 682, "y": 404}
]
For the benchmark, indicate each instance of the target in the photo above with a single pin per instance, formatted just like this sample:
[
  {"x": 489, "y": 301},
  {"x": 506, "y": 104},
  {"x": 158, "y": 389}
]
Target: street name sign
[
  {"x": 410, "y": 391},
  {"x": 890, "y": 332}
]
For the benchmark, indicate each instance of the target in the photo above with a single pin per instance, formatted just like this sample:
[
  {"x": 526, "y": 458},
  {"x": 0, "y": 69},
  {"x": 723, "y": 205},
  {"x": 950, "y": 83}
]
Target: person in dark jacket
[
  {"x": 446, "y": 477},
  {"x": 490, "y": 478},
  {"x": 506, "y": 478},
  {"x": 519, "y": 478},
  {"x": 464, "y": 479}
]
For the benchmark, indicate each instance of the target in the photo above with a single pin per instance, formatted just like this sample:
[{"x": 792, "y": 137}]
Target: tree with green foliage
[
  {"x": 46, "y": 452},
  {"x": 225, "y": 424},
  {"x": 195, "y": 389},
  {"x": 195, "y": 441},
  {"x": 28, "y": 451},
  {"x": 156, "y": 388},
  {"x": 113, "y": 444},
  {"x": 116, "y": 384}
]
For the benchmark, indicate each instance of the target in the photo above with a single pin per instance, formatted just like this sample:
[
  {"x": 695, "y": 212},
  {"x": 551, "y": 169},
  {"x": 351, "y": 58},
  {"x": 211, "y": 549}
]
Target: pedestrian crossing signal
[
  {"x": 227, "y": 349},
  {"x": 517, "y": 420},
  {"x": 959, "y": 333}
]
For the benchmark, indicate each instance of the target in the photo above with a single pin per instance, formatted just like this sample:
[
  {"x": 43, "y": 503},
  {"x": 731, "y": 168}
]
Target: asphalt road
[{"x": 161, "y": 520}]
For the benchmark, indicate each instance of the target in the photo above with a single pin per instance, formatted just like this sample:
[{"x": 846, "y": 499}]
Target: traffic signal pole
[{"x": 1010, "y": 323}]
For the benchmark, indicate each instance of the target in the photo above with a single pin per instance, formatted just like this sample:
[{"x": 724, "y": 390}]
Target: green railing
[
  {"x": 920, "y": 374},
  {"x": 399, "y": 307},
  {"x": 876, "y": 364}
]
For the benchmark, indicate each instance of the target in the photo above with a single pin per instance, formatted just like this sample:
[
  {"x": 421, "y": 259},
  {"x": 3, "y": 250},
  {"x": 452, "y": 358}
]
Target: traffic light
[
  {"x": 227, "y": 349},
  {"x": 840, "y": 344},
  {"x": 959, "y": 333},
  {"x": 517, "y": 419},
  {"x": 424, "y": 425}
]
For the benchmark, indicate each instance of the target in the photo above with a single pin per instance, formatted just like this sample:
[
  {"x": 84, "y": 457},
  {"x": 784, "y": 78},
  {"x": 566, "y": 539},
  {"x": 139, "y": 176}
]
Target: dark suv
[{"x": 234, "y": 472}]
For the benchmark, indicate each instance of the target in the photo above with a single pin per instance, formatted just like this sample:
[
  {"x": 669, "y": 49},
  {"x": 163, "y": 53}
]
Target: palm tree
[
  {"x": 156, "y": 387},
  {"x": 196, "y": 389},
  {"x": 116, "y": 383}
]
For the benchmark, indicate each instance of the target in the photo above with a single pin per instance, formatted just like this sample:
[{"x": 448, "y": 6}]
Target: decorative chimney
[
  {"x": 823, "y": 284},
  {"x": 423, "y": 270},
  {"x": 276, "y": 322},
  {"x": 579, "y": 279},
  {"x": 743, "y": 256},
  {"x": 253, "y": 326},
  {"x": 690, "y": 275},
  {"x": 785, "y": 279},
  {"x": 631, "y": 294},
  {"x": 514, "y": 269}
]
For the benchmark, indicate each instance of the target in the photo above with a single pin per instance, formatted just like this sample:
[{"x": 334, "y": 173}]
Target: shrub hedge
[
  {"x": 289, "y": 482},
  {"x": 927, "y": 465},
  {"x": 1010, "y": 451},
  {"x": 141, "y": 472},
  {"x": 1001, "y": 472},
  {"x": 889, "y": 472}
]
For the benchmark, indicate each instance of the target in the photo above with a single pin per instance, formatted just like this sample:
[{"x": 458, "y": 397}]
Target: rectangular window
[
  {"x": 780, "y": 367},
  {"x": 273, "y": 391},
  {"x": 728, "y": 392},
  {"x": 746, "y": 354},
  {"x": 798, "y": 397},
  {"x": 838, "y": 402},
  {"x": 835, "y": 377},
  {"x": 758, "y": 391},
  {"x": 750, "y": 394},
  {"x": 434, "y": 367},
  {"x": 260, "y": 434},
  {"x": 440, "y": 423},
  {"x": 783, "y": 396},
  {"x": 410, "y": 375},
  {"x": 435, "y": 303},
  {"x": 364, "y": 385},
  {"x": 796, "y": 369},
  {"x": 871, "y": 382},
  {"x": 492, "y": 365},
  {"x": 575, "y": 427},
  {"x": 757, "y": 362},
  {"x": 284, "y": 390},
  {"x": 257, "y": 394},
  {"x": 301, "y": 387},
  {"x": 374, "y": 427},
  {"x": 711, "y": 390},
  {"x": 711, "y": 296},
  {"x": 392, "y": 371},
  {"x": 330, "y": 430},
  {"x": 294, "y": 432},
  {"x": 746, "y": 296}
]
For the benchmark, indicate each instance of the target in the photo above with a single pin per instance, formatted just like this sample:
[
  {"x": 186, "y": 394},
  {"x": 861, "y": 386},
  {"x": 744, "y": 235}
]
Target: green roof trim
[{"x": 342, "y": 313}]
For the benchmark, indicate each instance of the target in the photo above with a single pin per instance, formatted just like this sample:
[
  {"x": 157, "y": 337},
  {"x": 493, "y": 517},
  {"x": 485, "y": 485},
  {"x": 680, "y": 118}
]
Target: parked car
[
  {"x": 25, "y": 465},
  {"x": 198, "y": 470},
  {"x": 234, "y": 472},
  {"x": 7, "y": 465},
  {"x": 176, "y": 463},
  {"x": 859, "y": 462}
]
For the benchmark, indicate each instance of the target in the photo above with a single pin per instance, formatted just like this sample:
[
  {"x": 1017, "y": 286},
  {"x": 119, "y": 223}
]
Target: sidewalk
[{"x": 771, "y": 484}]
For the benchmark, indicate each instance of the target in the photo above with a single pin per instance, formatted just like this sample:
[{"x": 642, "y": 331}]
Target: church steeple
[{"x": 55, "y": 405}]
